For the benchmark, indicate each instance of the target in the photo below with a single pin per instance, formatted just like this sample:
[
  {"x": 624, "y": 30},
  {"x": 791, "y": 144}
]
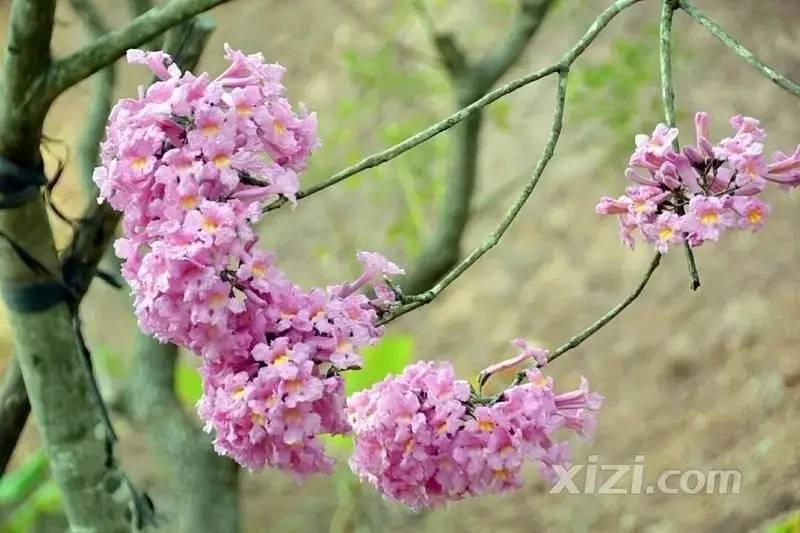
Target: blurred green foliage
[
  {"x": 620, "y": 94},
  {"x": 398, "y": 89},
  {"x": 29, "y": 497},
  {"x": 389, "y": 356},
  {"x": 23, "y": 480},
  {"x": 188, "y": 384},
  {"x": 790, "y": 525}
]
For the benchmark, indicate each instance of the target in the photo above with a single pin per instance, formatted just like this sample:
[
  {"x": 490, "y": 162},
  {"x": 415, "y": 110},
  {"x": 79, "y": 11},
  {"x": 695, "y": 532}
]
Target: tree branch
[
  {"x": 668, "y": 8},
  {"x": 450, "y": 54},
  {"x": 578, "y": 339},
  {"x": 69, "y": 70},
  {"x": 96, "y": 493},
  {"x": 78, "y": 263},
  {"x": 415, "y": 301},
  {"x": 774, "y": 76},
  {"x": 529, "y": 18},
  {"x": 140, "y": 7},
  {"x": 390, "y": 153},
  {"x": 14, "y": 410},
  {"x": 468, "y": 83},
  {"x": 205, "y": 484},
  {"x": 101, "y": 100}
]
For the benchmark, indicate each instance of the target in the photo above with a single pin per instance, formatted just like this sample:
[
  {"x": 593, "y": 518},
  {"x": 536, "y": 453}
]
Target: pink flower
[
  {"x": 159, "y": 62},
  {"x": 527, "y": 352},
  {"x": 706, "y": 218},
  {"x": 374, "y": 265},
  {"x": 718, "y": 185},
  {"x": 665, "y": 231},
  {"x": 657, "y": 144},
  {"x": 420, "y": 441},
  {"x": 610, "y": 206},
  {"x": 752, "y": 212},
  {"x": 785, "y": 170}
]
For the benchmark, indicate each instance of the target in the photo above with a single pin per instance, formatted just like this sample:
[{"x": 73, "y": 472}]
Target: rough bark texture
[
  {"x": 69, "y": 418},
  {"x": 14, "y": 410},
  {"x": 205, "y": 484},
  {"x": 97, "y": 496}
]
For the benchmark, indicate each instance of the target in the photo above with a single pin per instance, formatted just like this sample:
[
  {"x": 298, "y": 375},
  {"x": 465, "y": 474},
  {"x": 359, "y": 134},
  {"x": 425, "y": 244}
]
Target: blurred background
[{"x": 707, "y": 380}]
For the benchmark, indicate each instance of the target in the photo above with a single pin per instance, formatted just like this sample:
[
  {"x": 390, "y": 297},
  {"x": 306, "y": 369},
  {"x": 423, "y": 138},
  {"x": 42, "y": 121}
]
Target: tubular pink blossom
[{"x": 696, "y": 195}]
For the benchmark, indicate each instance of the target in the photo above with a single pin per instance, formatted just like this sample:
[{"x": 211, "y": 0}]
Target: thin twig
[
  {"x": 668, "y": 97},
  {"x": 415, "y": 301},
  {"x": 578, "y": 339},
  {"x": 468, "y": 81},
  {"x": 101, "y": 98},
  {"x": 774, "y": 76},
  {"x": 70, "y": 70},
  {"x": 575, "y": 341},
  {"x": 390, "y": 153}
]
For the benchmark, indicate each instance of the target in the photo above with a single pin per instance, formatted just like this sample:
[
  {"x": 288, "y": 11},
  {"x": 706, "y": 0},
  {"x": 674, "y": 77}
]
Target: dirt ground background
[{"x": 707, "y": 380}]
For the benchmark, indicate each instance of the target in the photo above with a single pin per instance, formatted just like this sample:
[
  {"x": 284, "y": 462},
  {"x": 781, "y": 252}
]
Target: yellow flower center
[
  {"x": 259, "y": 270},
  {"x": 294, "y": 385},
  {"x": 486, "y": 425},
  {"x": 238, "y": 394},
  {"x": 189, "y": 202},
  {"x": 665, "y": 234},
  {"x": 209, "y": 225},
  {"x": 709, "y": 218},
  {"x": 258, "y": 419},
  {"x": 217, "y": 299},
  {"x": 210, "y": 129},
  {"x": 279, "y": 128},
  {"x": 281, "y": 360},
  {"x": 222, "y": 161},
  {"x": 138, "y": 163},
  {"x": 640, "y": 207},
  {"x": 409, "y": 445},
  {"x": 501, "y": 474},
  {"x": 754, "y": 216},
  {"x": 243, "y": 110},
  {"x": 344, "y": 346}
]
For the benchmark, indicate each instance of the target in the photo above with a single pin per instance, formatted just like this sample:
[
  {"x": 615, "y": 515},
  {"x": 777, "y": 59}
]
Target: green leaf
[
  {"x": 389, "y": 356},
  {"x": 790, "y": 525},
  {"x": 45, "y": 500},
  {"x": 188, "y": 384},
  {"x": 20, "y": 482},
  {"x": 499, "y": 113},
  {"x": 111, "y": 363}
]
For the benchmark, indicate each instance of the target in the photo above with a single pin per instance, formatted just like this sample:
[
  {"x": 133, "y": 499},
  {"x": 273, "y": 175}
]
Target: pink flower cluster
[
  {"x": 189, "y": 163},
  {"x": 695, "y": 195},
  {"x": 423, "y": 438}
]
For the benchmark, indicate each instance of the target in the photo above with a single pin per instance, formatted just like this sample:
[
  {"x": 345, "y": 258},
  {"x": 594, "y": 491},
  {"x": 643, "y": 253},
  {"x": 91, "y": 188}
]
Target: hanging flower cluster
[
  {"x": 697, "y": 194},
  {"x": 189, "y": 163},
  {"x": 423, "y": 438}
]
